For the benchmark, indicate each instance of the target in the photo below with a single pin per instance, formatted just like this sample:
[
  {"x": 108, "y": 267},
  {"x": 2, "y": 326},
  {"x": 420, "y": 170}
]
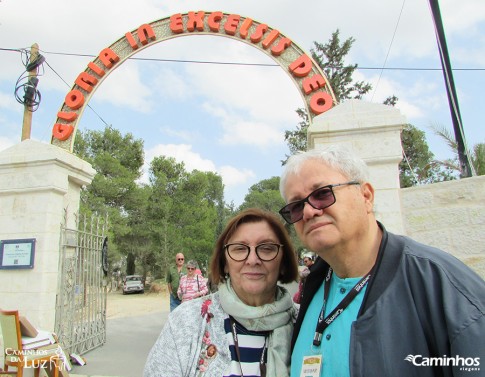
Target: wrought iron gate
[{"x": 81, "y": 298}]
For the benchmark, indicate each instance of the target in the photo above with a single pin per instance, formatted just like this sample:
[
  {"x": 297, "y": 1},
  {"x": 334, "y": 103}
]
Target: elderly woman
[
  {"x": 243, "y": 329},
  {"x": 192, "y": 285}
]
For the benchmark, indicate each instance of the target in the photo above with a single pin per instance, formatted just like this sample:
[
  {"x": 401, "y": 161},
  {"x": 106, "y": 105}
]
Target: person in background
[
  {"x": 173, "y": 277},
  {"x": 304, "y": 272},
  {"x": 375, "y": 303},
  {"x": 308, "y": 262},
  {"x": 243, "y": 329},
  {"x": 192, "y": 285}
]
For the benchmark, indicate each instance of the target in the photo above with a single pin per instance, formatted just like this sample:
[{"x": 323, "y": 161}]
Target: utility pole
[
  {"x": 466, "y": 167},
  {"x": 27, "y": 123}
]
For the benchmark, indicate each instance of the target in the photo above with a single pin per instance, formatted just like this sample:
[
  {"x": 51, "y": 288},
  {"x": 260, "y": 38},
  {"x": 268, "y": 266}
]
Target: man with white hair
[{"x": 375, "y": 303}]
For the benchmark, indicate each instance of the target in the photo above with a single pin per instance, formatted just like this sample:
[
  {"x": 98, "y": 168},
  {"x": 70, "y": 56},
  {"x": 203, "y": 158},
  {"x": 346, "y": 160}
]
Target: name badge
[{"x": 311, "y": 366}]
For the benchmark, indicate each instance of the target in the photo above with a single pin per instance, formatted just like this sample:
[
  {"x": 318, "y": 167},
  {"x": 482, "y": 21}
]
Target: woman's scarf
[{"x": 276, "y": 317}]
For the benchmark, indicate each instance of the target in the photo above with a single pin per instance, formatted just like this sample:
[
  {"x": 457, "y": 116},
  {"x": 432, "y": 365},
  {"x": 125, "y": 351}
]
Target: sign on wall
[
  {"x": 17, "y": 254},
  {"x": 305, "y": 73}
]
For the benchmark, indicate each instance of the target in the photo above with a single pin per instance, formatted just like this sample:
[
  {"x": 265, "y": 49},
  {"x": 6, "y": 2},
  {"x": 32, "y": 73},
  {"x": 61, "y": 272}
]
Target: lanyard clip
[{"x": 317, "y": 339}]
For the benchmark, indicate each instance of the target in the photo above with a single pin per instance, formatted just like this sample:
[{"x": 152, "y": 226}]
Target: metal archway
[{"x": 311, "y": 81}]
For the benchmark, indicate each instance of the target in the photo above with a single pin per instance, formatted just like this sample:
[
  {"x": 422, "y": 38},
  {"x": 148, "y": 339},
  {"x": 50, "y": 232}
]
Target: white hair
[{"x": 336, "y": 156}]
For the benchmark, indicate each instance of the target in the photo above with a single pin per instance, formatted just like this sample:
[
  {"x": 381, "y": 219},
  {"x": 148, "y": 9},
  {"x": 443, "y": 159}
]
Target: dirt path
[{"x": 119, "y": 305}]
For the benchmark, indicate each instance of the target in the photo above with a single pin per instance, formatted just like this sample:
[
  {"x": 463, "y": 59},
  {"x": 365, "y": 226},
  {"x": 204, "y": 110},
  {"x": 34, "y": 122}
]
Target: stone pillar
[
  {"x": 374, "y": 132},
  {"x": 38, "y": 183}
]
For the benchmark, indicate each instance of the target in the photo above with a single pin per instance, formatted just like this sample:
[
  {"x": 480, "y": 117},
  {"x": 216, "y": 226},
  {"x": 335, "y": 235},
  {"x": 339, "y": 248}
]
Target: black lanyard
[
  {"x": 262, "y": 365},
  {"x": 323, "y": 323}
]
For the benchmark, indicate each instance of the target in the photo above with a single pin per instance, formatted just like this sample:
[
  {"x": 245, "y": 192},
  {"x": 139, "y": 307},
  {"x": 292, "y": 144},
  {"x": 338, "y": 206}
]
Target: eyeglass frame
[
  {"x": 226, "y": 248},
  {"x": 306, "y": 200},
  {"x": 180, "y": 259}
]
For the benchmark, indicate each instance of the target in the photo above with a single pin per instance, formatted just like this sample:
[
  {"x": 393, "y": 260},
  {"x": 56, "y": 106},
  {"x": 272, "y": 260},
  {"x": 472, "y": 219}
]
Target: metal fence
[{"x": 81, "y": 298}]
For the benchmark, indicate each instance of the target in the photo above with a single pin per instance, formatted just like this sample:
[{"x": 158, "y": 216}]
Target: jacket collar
[{"x": 386, "y": 265}]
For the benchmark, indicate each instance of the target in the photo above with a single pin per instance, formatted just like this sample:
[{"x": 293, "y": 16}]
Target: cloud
[
  {"x": 181, "y": 153},
  {"x": 234, "y": 177},
  {"x": 170, "y": 84},
  {"x": 8, "y": 102},
  {"x": 231, "y": 175},
  {"x": 125, "y": 88},
  {"x": 184, "y": 135},
  {"x": 238, "y": 131}
]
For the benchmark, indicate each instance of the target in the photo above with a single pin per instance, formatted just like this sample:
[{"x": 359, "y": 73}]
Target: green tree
[
  {"x": 477, "y": 154},
  {"x": 184, "y": 211},
  {"x": 330, "y": 57},
  {"x": 265, "y": 195},
  {"x": 418, "y": 165},
  {"x": 478, "y": 158},
  {"x": 117, "y": 160}
]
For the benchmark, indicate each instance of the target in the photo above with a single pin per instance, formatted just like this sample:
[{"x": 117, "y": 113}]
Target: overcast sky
[{"x": 231, "y": 118}]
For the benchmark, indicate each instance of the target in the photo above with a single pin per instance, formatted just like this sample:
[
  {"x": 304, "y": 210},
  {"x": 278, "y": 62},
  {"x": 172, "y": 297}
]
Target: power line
[
  {"x": 388, "y": 50},
  {"x": 249, "y": 64},
  {"x": 64, "y": 81}
]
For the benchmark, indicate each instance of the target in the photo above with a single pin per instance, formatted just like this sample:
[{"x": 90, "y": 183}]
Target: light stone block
[{"x": 37, "y": 183}]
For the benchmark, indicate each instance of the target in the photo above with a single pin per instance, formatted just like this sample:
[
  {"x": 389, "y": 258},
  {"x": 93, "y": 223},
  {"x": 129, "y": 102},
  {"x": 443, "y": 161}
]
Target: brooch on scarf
[
  {"x": 204, "y": 310},
  {"x": 208, "y": 350}
]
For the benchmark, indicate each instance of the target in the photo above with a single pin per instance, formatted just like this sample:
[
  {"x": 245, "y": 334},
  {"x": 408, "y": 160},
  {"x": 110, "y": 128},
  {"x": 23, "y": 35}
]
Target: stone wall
[
  {"x": 450, "y": 216},
  {"x": 39, "y": 183}
]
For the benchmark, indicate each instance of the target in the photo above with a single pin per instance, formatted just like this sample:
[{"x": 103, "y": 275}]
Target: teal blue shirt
[{"x": 336, "y": 337}]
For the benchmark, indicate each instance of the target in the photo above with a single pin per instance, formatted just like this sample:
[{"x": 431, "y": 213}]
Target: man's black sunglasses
[{"x": 321, "y": 198}]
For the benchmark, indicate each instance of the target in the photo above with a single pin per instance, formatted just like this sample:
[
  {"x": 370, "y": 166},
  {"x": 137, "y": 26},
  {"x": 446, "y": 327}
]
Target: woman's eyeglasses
[
  {"x": 321, "y": 198},
  {"x": 240, "y": 251},
  {"x": 190, "y": 268}
]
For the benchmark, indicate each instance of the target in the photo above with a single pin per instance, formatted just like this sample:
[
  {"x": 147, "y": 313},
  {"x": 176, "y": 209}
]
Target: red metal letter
[
  {"x": 108, "y": 57},
  {"x": 320, "y": 102},
  {"x": 96, "y": 69},
  {"x": 86, "y": 81},
  {"x": 176, "y": 24},
  {"x": 214, "y": 21},
  {"x": 243, "y": 31},
  {"x": 310, "y": 84},
  {"x": 131, "y": 41},
  {"x": 74, "y": 99},
  {"x": 282, "y": 45},
  {"x": 196, "y": 21},
  {"x": 258, "y": 33},
  {"x": 301, "y": 66},
  {"x": 231, "y": 24},
  {"x": 62, "y": 131},
  {"x": 145, "y": 32},
  {"x": 70, "y": 117},
  {"x": 268, "y": 41}
]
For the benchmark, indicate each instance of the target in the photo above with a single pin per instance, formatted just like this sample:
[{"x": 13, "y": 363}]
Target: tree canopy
[{"x": 175, "y": 211}]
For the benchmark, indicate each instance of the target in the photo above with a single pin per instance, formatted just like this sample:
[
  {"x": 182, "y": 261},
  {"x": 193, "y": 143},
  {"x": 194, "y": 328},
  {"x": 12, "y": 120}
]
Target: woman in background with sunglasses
[
  {"x": 244, "y": 329},
  {"x": 192, "y": 285}
]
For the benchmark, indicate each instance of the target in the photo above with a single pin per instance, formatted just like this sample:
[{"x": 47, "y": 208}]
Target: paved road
[{"x": 128, "y": 341}]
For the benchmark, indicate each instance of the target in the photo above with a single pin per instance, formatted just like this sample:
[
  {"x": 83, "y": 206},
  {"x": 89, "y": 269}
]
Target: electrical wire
[
  {"x": 416, "y": 180},
  {"x": 249, "y": 64},
  {"x": 388, "y": 50},
  {"x": 27, "y": 83},
  {"x": 90, "y": 107}
]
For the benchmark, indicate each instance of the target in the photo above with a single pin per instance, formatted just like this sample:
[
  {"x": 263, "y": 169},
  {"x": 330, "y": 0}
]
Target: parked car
[{"x": 133, "y": 284}]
